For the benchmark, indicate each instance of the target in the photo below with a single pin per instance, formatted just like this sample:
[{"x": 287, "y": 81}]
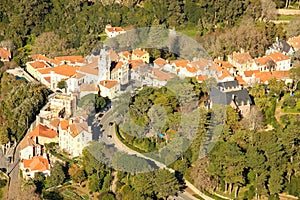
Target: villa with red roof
[
  {"x": 242, "y": 61},
  {"x": 109, "y": 88},
  {"x": 32, "y": 154},
  {"x": 139, "y": 54},
  {"x": 5, "y": 54},
  {"x": 273, "y": 62},
  {"x": 33, "y": 67},
  {"x": 113, "y": 31},
  {"x": 33, "y": 165},
  {"x": 33, "y": 142},
  {"x": 52, "y": 75},
  {"x": 46, "y": 60},
  {"x": 71, "y": 60},
  {"x": 74, "y": 135}
]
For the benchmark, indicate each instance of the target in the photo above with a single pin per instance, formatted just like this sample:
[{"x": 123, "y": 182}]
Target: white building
[
  {"x": 113, "y": 31},
  {"x": 74, "y": 135}
]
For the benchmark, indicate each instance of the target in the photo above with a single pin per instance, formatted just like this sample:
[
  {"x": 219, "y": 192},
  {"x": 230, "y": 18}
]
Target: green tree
[
  {"x": 62, "y": 84},
  {"x": 76, "y": 173},
  {"x": 57, "y": 176}
]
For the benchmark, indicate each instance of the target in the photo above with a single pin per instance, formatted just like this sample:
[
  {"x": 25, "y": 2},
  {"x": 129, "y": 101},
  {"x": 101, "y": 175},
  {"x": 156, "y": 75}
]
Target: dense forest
[
  {"x": 55, "y": 27},
  {"x": 19, "y": 104},
  {"x": 248, "y": 160}
]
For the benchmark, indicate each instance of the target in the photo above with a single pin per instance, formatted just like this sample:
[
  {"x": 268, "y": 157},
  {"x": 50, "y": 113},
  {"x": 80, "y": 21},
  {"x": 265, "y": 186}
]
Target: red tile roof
[
  {"x": 180, "y": 63},
  {"x": 295, "y": 42},
  {"x": 278, "y": 56},
  {"x": 55, "y": 122},
  {"x": 43, "y": 131},
  {"x": 77, "y": 128},
  {"x": 64, "y": 124},
  {"x": 119, "y": 65},
  {"x": 160, "y": 62},
  {"x": 139, "y": 52},
  {"x": 241, "y": 58},
  {"x": 126, "y": 54},
  {"x": 38, "y": 64},
  {"x": 223, "y": 63},
  {"x": 250, "y": 73},
  {"x": 264, "y": 76},
  {"x": 72, "y": 59},
  {"x": 26, "y": 141},
  {"x": 44, "y": 58},
  {"x": 48, "y": 79},
  {"x": 114, "y": 29},
  {"x": 162, "y": 76},
  {"x": 136, "y": 63},
  {"x": 240, "y": 80},
  {"x": 37, "y": 163},
  {"x": 64, "y": 70},
  {"x": 5, "y": 54},
  {"x": 108, "y": 83}
]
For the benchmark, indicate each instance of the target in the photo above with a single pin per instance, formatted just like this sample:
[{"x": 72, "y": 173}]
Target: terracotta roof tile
[
  {"x": 160, "y": 62},
  {"x": 136, "y": 63},
  {"x": 139, "y": 52},
  {"x": 114, "y": 29},
  {"x": 126, "y": 54},
  {"x": 72, "y": 59},
  {"x": 5, "y": 54},
  {"x": 91, "y": 68},
  {"x": 108, "y": 83},
  {"x": 55, "y": 122},
  {"x": 64, "y": 124},
  {"x": 277, "y": 56},
  {"x": 38, "y": 64},
  {"x": 240, "y": 80},
  {"x": 162, "y": 76},
  {"x": 44, "y": 58},
  {"x": 37, "y": 163},
  {"x": 26, "y": 141},
  {"x": 250, "y": 73},
  {"x": 223, "y": 63},
  {"x": 180, "y": 63},
  {"x": 64, "y": 70},
  {"x": 43, "y": 131},
  {"x": 295, "y": 42},
  {"x": 241, "y": 58},
  {"x": 78, "y": 128}
]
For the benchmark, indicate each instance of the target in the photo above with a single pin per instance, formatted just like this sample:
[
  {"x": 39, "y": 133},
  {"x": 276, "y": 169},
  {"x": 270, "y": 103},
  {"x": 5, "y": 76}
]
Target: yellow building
[
  {"x": 32, "y": 67},
  {"x": 139, "y": 54}
]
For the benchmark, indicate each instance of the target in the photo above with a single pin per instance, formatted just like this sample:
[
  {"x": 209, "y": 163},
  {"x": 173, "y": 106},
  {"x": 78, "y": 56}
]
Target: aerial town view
[{"x": 150, "y": 99}]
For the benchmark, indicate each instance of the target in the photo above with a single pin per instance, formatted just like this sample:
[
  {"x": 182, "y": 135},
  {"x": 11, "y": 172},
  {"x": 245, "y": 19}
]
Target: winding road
[{"x": 110, "y": 130}]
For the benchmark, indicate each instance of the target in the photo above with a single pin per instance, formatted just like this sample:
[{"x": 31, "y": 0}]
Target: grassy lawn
[
  {"x": 190, "y": 32},
  {"x": 296, "y": 109},
  {"x": 288, "y": 17},
  {"x": 87, "y": 100}
]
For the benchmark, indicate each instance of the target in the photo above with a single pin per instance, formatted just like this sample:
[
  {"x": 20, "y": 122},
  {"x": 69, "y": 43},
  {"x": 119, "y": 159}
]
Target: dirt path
[
  {"x": 288, "y": 12},
  {"x": 114, "y": 182}
]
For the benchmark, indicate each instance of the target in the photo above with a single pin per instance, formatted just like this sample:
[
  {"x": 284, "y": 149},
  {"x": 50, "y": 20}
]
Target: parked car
[
  {"x": 111, "y": 123},
  {"x": 109, "y": 136}
]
